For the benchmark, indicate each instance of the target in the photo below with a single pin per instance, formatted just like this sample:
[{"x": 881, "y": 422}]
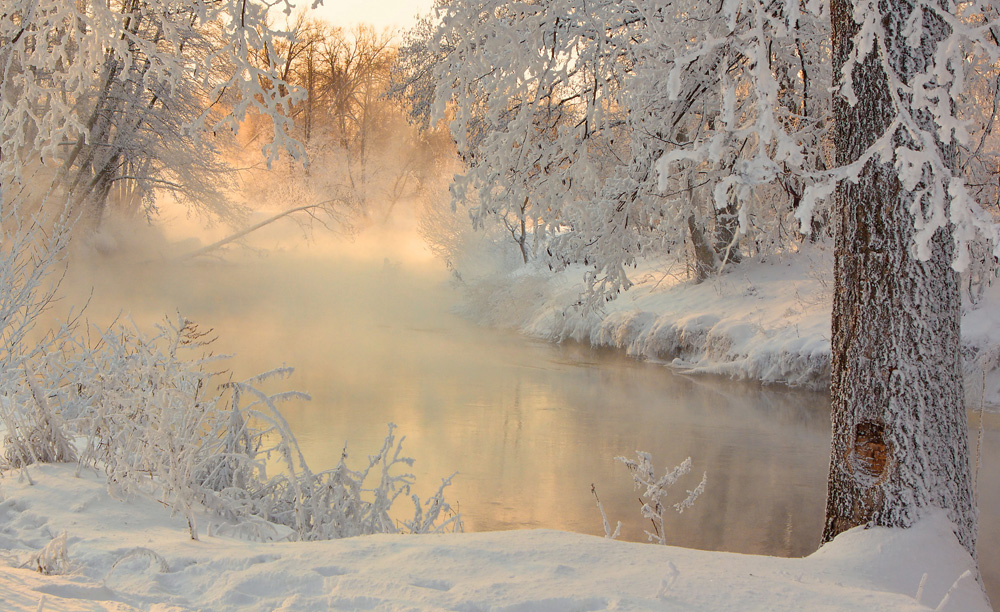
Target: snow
[
  {"x": 766, "y": 320},
  {"x": 981, "y": 339},
  {"x": 133, "y": 555}
]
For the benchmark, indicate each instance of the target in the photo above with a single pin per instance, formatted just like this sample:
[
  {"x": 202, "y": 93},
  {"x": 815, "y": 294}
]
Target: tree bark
[
  {"x": 704, "y": 255},
  {"x": 900, "y": 434},
  {"x": 727, "y": 228}
]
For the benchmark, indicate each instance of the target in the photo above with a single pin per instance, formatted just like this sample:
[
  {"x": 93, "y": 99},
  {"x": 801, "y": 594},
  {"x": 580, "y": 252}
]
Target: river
[{"x": 529, "y": 426}]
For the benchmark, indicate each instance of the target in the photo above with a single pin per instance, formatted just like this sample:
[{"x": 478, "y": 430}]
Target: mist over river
[{"x": 529, "y": 426}]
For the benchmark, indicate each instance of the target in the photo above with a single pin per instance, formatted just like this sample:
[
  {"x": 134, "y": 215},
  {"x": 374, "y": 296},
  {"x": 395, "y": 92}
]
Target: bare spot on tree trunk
[{"x": 871, "y": 454}]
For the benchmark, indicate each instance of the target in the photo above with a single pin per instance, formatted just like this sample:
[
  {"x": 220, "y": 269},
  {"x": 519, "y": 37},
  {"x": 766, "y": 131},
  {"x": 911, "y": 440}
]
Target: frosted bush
[
  {"x": 157, "y": 416},
  {"x": 35, "y": 435},
  {"x": 161, "y": 424},
  {"x": 656, "y": 488}
]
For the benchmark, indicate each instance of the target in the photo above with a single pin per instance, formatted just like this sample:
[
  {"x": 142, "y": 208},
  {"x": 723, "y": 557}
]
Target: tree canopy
[
  {"x": 611, "y": 130},
  {"x": 120, "y": 98}
]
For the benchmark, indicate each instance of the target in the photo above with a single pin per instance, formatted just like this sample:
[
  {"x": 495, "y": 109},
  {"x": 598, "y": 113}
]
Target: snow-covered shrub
[
  {"x": 35, "y": 436},
  {"x": 334, "y": 503},
  {"x": 29, "y": 253},
  {"x": 155, "y": 413},
  {"x": 52, "y": 558},
  {"x": 149, "y": 418},
  {"x": 656, "y": 488},
  {"x": 161, "y": 423}
]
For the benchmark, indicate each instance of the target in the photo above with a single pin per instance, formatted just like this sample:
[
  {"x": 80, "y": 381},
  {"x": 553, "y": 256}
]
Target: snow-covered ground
[
  {"x": 761, "y": 320},
  {"x": 133, "y": 555}
]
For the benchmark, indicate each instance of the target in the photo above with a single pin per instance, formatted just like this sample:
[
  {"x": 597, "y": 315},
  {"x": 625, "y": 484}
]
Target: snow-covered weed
[
  {"x": 611, "y": 535},
  {"x": 145, "y": 555},
  {"x": 160, "y": 423},
  {"x": 52, "y": 558},
  {"x": 656, "y": 488},
  {"x": 435, "y": 515}
]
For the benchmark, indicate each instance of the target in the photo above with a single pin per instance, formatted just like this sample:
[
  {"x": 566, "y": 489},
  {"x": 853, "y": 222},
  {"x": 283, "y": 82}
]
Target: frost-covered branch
[
  {"x": 110, "y": 101},
  {"x": 656, "y": 488}
]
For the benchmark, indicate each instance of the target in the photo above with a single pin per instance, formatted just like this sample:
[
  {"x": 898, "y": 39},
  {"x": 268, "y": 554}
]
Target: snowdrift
[{"x": 136, "y": 556}]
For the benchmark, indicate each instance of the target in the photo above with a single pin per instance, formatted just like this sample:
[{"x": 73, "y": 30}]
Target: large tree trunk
[{"x": 899, "y": 422}]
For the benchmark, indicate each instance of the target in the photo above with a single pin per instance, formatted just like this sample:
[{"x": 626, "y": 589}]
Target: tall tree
[{"x": 899, "y": 421}]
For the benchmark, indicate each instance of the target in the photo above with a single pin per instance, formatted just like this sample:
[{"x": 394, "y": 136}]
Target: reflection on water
[{"x": 529, "y": 426}]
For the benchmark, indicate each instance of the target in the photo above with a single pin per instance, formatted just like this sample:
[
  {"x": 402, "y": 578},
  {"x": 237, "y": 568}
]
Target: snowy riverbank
[
  {"x": 761, "y": 320},
  {"x": 133, "y": 555}
]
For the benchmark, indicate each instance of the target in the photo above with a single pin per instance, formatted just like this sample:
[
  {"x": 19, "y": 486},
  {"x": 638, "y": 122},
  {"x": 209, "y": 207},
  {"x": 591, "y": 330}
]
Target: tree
[
  {"x": 361, "y": 150},
  {"x": 98, "y": 98},
  {"x": 611, "y": 130},
  {"x": 899, "y": 420}
]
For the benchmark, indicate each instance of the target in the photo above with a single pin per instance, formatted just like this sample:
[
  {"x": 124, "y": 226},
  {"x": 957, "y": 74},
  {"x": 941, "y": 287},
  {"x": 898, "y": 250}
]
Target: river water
[{"x": 529, "y": 426}]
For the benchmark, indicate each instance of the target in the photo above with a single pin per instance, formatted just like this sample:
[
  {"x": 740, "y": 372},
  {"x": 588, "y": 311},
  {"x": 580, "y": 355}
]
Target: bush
[
  {"x": 154, "y": 413},
  {"x": 656, "y": 488}
]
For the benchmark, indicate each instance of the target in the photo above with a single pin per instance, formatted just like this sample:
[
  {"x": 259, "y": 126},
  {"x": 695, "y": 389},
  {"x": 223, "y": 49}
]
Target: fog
[
  {"x": 363, "y": 310},
  {"x": 529, "y": 426}
]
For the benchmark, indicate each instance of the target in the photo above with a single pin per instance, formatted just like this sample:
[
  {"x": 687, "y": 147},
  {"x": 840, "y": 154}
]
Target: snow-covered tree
[
  {"x": 123, "y": 97},
  {"x": 905, "y": 219},
  {"x": 626, "y": 128},
  {"x": 364, "y": 157}
]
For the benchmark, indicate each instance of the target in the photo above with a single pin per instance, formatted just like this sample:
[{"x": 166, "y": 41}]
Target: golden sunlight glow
[
  {"x": 389, "y": 243},
  {"x": 399, "y": 14}
]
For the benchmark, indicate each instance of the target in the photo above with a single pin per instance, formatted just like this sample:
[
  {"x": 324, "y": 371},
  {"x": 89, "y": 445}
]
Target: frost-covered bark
[{"x": 899, "y": 422}]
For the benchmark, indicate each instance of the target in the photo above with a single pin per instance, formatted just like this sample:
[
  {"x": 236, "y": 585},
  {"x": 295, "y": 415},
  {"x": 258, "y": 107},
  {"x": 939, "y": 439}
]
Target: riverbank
[
  {"x": 766, "y": 320},
  {"x": 123, "y": 556}
]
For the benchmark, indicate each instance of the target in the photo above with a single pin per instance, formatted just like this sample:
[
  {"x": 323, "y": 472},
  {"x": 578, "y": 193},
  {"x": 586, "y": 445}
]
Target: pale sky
[{"x": 380, "y": 13}]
